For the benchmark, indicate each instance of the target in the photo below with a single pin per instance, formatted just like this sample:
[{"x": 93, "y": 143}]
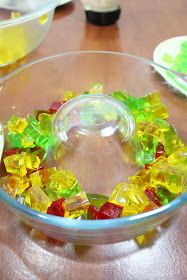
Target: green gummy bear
[
  {"x": 145, "y": 108},
  {"x": 29, "y": 133},
  {"x": 164, "y": 195},
  {"x": 97, "y": 199},
  {"x": 145, "y": 149},
  {"x": 54, "y": 195},
  {"x": 146, "y": 139},
  {"x": 171, "y": 141},
  {"x": 45, "y": 123},
  {"x": 38, "y": 135},
  {"x": 62, "y": 183},
  {"x": 20, "y": 140}
]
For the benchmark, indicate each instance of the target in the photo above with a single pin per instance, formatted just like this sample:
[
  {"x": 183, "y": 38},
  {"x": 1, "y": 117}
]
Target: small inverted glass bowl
[
  {"x": 36, "y": 85},
  {"x": 19, "y": 36}
]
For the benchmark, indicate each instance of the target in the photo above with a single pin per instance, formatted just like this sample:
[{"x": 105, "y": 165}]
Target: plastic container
[
  {"x": 20, "y": 35},
  {"x": 37, "y": 84}
]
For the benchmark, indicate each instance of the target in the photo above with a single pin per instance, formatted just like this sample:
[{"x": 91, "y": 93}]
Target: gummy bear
[
  {"x": 167, "y": 175},
  {"x": 45, "y": 123},
  {"x": 151, "y": 195},
  {"x": 97, "y": 200},
  {"x": 141, "y": 178},
  {"x": 55, "y": 106},
  {"x": 69, "y": 95},
  {"x": 145, "y": 108},
  {"x": 131, "y": 197},
  {"x": 11, "y": 152},
  {"x": 76, "y": 201},
  {"x": 15, "y": 184},
  {"x": 17, "y": 124},
  {"x": 96, "y": 88},
  {"x": 171, "y": 141},
  {"x": 164, "y": 195},
  {"x": 147, "y": 138},
  {"x": 39, "y": 200},
  {"x": 63, "y": 183},
  {"x": 56, "y": 208},
  {"x": 41, "y": 178},
  {"x": 93, "y": 212},
  {"x": 74, "y": 214},
  {"x": 109, "y": 211},
  {"x": 20, "y": 163},
  {"x": 38, "y": 133},
  {"x": 30, "y": 132}
]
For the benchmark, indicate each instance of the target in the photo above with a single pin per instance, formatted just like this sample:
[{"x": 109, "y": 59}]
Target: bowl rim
[
  {"x": 46, "y": 7},
  {"x": 96, "y": 225},
  {"x": 87, "y": 52}
]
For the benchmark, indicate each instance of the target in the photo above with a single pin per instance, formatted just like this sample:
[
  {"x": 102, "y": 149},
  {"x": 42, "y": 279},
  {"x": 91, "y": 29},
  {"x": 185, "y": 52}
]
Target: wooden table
[{"x": 26, "y": 254}]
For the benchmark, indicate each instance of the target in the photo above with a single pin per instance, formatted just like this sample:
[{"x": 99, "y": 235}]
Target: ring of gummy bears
[{"x": 160, "y": 153}]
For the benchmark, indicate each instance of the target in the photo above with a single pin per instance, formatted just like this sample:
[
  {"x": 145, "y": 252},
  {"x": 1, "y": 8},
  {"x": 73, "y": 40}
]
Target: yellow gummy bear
[
  {"x": 130, "y": 210},
  {"x": 96, "y": 88},
  {"x": 69, "y": 95},
  {"x": 141, "y": 178},
  {"x": 62, "y": 179},
  {"x": 45, "y": 122},
  {"x": 74, "y": 214},
  {"x": 15, "y": 184},
  {"x": 131, "y": 197},
  {"x": 17, "y": 124},
  {"x": 20, "y": 163},
  {"x": 179, "y": 159},
  {"x": 117, "y": 194},
  {"x": 38, "y": 199},
  {"x": 170, "y": 172},
  {"x": 41, "y": 178},
  {"x": 147, "y": 239},
  {"x": 157, "y": 107},
  {"x": 167, "y": 177}
]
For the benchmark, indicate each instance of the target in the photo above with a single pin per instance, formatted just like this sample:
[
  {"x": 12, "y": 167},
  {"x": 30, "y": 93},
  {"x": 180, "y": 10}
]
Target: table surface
[{"x": 26, "y": 254}]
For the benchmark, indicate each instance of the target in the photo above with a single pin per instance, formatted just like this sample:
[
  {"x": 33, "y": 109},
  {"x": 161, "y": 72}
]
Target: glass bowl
[
  {"x": 20, "y": 35},
  {"x": 37, "y": 84}
]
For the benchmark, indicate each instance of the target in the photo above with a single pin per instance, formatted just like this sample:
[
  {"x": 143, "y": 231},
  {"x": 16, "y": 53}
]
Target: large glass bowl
[
  {"x": 20, "y": 35},
  {"x": 37, "y": 84}
]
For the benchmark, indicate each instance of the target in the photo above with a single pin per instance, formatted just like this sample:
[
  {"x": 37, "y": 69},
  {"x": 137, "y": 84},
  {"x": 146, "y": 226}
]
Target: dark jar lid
[{"x": 103, "y": 18}]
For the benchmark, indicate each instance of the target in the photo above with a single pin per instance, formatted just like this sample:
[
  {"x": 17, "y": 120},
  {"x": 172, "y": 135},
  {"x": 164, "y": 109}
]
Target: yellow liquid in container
[
  {"x": 12, "y": 42},
  {"x": 22, "y": 36}
]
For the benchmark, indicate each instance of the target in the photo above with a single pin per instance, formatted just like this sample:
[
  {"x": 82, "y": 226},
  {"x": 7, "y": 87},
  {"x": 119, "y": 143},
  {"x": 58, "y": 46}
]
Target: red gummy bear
[
  {"x": 55, "y": 106},
  {"x": 160, "y": 150},
  {"x": 56, "y": 208},
  {"x": 93, "y": 212},
  {"x": 109, "y": 210},
  {"x": 151, "y": 195},
  {"x": 11, "y": 152}
]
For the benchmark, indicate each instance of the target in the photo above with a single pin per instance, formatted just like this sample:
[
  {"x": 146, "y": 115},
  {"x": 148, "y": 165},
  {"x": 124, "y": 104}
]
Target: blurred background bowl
[
  {"x": 23, "y": 26},
  {"x": 36, "y": 85}
]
